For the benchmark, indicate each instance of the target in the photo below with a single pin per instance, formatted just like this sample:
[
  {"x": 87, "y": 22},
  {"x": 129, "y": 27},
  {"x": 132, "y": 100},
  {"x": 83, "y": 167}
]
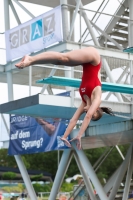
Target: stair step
[
  {"x": 123, "y": 20},
  {"x": 118, "y": 26},
  {"x": 123, "y": 42},
  {"x": 119, "y": 34},
  {"x": 126, "y": 13}
]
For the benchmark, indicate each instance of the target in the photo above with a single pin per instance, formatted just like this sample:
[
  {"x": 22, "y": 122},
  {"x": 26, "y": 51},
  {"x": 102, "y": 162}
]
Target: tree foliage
[
  {"x": 8, "y": 175},
  {"x": 36, "y": 177},
  {"x": 48, "y": 161}
]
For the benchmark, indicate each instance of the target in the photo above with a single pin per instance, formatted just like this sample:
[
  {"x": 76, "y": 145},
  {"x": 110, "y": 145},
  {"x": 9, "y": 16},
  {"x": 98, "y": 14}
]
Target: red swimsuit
[{"x": 90, "y": 79}]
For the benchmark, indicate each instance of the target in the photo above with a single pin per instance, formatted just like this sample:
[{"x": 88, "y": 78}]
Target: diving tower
[{"x": 108, "y": 131}]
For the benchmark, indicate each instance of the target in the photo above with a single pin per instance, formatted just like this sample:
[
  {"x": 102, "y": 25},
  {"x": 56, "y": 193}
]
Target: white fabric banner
[{"x": 34, "y": 35}]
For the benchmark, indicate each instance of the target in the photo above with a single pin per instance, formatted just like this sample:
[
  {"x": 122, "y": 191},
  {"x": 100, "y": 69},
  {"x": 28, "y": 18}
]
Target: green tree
[
  {"x": 8, "y": 175},
  {"x": 48, "y": 161},
  {"x": 36, "y": 177}
]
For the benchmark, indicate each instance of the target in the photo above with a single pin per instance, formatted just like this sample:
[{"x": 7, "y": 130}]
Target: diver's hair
[
  {"x": 100, "y": 112},
  {"x": 107, "y": 110}
]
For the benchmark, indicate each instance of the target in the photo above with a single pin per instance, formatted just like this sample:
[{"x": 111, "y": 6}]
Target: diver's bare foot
[
  {"x": 66, "y": 142},
  {"x": 25, "y": 62}
]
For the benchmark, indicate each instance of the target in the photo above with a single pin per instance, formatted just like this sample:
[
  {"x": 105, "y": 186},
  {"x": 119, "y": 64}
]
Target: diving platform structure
[{"x": 109, "y": 130}]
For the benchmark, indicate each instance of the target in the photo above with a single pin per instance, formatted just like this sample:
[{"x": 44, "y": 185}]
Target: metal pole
[
  {"x": 107, "y": 69},
  {"x": 111, "y": 180},
  {"x": 128, "y": 178},
  {"x": 130, "y": 29},
  {"x": 130, "y": 43},
  {"x": 6, "y": 126},
  {"x": 6, "y": 14},
  {"x": 65, "y": 35},
  {"x": 7, "y": 27},
  {"x": 121, "y": 174},
  {"x": 10, "y": 86},
  {"x": 27, "y": 11},
  {"x": 100, "y": 158},
  {"x": 85, "y": 177},
  {"x": 64, "y": 19},
  {"x": 58, "y": 158},
  {"x": 104, "y": 159},
  {"x": 131, "y": 82},
  {"x": 26, "y": 177},
  {"x": 63, "y": 166},
  {"x": 30, "y": 79},
  {"x": 10, "y": 98},
  {"x": 119, "y": 79},
  {"x": 46, "y": 85},
  {"x": 73, "y": 19},
  {"x": 15, "y": 13},
  {"x": 119, "y": 151},
  {"x": 91, "y": 173}
]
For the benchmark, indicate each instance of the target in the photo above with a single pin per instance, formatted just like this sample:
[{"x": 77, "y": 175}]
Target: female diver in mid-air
[{"x": 90, "y": 88}]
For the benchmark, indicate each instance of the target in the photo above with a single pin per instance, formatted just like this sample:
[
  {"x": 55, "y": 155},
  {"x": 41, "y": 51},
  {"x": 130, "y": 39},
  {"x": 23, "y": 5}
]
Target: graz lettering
[{"x": 40, "y": 28}]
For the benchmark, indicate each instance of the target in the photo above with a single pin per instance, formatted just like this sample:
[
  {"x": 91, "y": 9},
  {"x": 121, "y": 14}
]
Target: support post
[
  {"x": 30, "y": 79},
  {"x": 73, "y": 19},
  {"x": 64, "y": 19},
  {"x": 10, "y": 98},
  {"x": 121, "y": 174},
  {"x": 128, "y": 178},
  {"x": 111, "y": 180},
  {"x": 91, "y": 173},
  {"x": 85, "y": 177},
  {"x": 10, "y": 86},
  {"x": 130, "y": 43},
  {"x": 46, "y": 85},
  {"x": 26, "y": 177},
  {"x": 68, "y": 72},
  {"x": 6, "y": 126},
  {"x": 63, "y": 166},
  {"x": 23, "y": 8},
  {"x": 118, "y": 81},
  {"x": 15, "y": 13}
]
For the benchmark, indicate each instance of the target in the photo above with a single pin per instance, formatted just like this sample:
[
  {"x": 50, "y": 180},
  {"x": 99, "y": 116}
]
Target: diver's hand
[
  {"x": 66, "y": 142},
  {"x": 78, "y": 142}
]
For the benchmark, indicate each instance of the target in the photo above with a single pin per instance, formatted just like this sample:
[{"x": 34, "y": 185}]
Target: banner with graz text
[{"x": 34, "y": 35}]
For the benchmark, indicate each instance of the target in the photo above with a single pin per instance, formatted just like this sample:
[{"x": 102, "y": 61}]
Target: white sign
[{"x": 34, "y": 35}]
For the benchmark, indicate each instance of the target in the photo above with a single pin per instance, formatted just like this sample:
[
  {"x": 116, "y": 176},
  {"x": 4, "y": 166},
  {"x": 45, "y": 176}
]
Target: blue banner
[{"x": 33, "y": 135}]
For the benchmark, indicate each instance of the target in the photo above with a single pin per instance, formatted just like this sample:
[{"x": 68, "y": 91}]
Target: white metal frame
[{"x": 79, "y": 155}]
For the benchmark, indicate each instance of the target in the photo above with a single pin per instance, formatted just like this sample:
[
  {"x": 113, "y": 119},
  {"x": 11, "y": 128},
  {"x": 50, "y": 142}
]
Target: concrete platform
[
  {"x": 54, "y": 106},
  {"x": 54, "y": 3},
  {"x": 108, "y": 131}
]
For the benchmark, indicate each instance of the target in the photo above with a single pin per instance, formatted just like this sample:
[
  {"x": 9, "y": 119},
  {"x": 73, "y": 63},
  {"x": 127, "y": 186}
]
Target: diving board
[
  {"x": 128, "y": 50},
  {"x": 72, "y": 82}
]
